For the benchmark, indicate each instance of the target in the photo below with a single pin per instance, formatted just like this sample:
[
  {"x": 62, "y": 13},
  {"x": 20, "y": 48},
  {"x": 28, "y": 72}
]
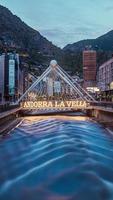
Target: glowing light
[
  {"x": 53, "y": 104},
  {"x": 92, "y": 89},
  {"x": 53, "y": 63}
]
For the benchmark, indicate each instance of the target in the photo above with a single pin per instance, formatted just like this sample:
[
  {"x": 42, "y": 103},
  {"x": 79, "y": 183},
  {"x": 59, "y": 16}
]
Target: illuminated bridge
[{"x": 55, "y": 90}]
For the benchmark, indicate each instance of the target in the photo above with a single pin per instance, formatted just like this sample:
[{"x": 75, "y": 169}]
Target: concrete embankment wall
[
  {"x": 101, "y": 115},
  {"x": 8, "y": 120}
]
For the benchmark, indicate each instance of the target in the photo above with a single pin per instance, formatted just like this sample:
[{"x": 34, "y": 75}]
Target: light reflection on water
[{"x": 57, "y": 158}]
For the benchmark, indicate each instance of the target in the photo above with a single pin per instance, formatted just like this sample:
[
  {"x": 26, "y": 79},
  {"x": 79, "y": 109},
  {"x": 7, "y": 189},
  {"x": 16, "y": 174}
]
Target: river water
[{"x": 56, "y": 158}]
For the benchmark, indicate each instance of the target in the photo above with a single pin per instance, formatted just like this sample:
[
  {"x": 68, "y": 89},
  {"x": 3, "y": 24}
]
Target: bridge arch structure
[{"x": 55, "y": 89}]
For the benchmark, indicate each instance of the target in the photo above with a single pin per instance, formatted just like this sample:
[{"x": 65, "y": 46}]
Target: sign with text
[{"x": 53, "y": 104}]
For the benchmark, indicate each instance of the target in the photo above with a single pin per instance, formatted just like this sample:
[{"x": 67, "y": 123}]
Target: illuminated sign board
[
  {"x": 53, "y": 104},
  {"x": 11, "y": 77}
]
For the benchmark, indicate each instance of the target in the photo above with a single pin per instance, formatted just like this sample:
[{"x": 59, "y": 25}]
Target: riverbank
[
  {"x": 107, "y": 125},
  {"x": 9, "y": 125},
  {"x": 8, "y": 120}
]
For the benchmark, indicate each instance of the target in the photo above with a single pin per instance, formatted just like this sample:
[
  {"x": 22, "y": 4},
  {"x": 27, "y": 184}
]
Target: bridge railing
[
  {"x": 102, "y": 104},
  {"x": 7, "y": 107}
]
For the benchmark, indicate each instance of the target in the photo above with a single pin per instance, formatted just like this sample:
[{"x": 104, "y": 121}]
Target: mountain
[
  {"x": 16, "y": 34},
  {"x": 36, "y": 50},
  {"x": 103, "y": 43}
]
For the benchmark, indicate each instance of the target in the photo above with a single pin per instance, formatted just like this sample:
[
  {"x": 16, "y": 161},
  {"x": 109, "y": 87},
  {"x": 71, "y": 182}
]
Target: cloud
[{"x": 63, "y": 36}]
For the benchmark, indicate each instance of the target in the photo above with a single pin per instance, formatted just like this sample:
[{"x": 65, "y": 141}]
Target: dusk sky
[{"x": 65, "y": 21}]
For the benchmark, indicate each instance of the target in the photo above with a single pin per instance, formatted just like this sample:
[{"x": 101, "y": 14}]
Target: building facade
[
  {"x": 105, "y": 76},
  {"x": 2, "y": 77},
  {"x": 11, "y": 78},
  {"x": 89, "y": 68}
]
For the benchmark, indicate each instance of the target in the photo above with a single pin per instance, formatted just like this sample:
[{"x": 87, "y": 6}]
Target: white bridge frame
[{"x": 83, "y": 94}]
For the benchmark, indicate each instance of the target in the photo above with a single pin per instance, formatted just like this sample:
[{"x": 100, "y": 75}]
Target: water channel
[{"x": 57, "y": 158}]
